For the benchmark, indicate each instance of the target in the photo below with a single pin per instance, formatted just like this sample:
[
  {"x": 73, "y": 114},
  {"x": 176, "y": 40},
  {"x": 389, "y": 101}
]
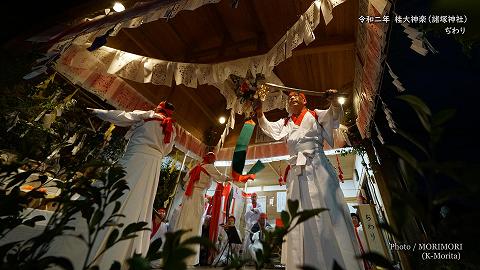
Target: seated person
[
  {"x": 257, "y": 235},
  {"x": 159, "y": 228},
  {"x": 204, "y": 251},
  {"x": 223, "y": 241},
  {"x": 159, "y": 225}
]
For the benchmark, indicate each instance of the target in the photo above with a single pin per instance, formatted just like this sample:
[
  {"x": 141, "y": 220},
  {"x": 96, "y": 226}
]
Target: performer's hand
[
  {"x": 257, "y": 107},
  {"x": 331, "y": 94}
]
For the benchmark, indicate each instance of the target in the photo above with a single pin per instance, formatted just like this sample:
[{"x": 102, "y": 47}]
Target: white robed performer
[
  {"x": 252, "y": 214},
  {"x": 151, "y": 137},
  {"x": 159, "y": 229},
  {"x": 312, "y": 181},
  {"x": 159, "y": 226},
  {"x": 258, "y": 235},
  {"x": 254, "y": 209},
  {"x": 190, "y": 218}
]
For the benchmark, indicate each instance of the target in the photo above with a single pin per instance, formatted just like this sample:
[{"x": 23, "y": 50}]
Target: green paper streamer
[
  {"x": 256, "y": 168},
  {"x": 240, "y": 153}
]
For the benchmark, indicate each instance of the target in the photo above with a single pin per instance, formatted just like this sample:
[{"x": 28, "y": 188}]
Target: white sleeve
[
  {"x": 259, "y": 207},
  {"x": 275, "y": 130},
  {"x": 122, "y": 118},
  {"x": 214, "y": 173},
  {"x": 329, "y": 120},
  {"x": 167, "y": 148},
  {"x": 248, "y": 213}
]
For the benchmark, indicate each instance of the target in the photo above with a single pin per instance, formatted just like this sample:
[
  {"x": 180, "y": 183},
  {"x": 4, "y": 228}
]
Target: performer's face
[
  {"x": 254, "y": 197},
  {"x": 231, "y": 221},
  {"x": 296, "y": 102},
  {"x": 261, "y": 221},
  {"x": 355, "y": 221},
  {"x": 161, "y": 214},
  {"x": 209, "y": 159}
]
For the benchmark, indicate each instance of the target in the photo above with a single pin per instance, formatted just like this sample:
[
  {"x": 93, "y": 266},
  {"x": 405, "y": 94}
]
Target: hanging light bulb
[
  {"x": 118, "y": 7},
  {"x": 222, "y": 120},
  {"x": 341, "y": 100}
]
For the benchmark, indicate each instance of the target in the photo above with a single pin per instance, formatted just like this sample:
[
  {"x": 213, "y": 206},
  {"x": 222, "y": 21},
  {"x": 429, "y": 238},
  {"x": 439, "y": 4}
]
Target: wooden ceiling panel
[
  {"x": 217, "y": 32},
  {"x": 241, "y": 22},
  {"x": 345, "y": 19},
  {"x": 277, "y": 16}
]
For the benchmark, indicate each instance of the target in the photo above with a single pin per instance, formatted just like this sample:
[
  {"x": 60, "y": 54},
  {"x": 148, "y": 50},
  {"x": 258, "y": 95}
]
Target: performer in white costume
[
  {"x": 159, "y": 226},
  {"x": 190, "y": 218},
  {"x": 252, "y": 214},
  {"x": 151, "y": 137},
  {"x": 257, "y": 235},
  {"x": 312, "y": 181},
  {"x": 254, "y": 209},
  {"x": 159, "y": 229}
]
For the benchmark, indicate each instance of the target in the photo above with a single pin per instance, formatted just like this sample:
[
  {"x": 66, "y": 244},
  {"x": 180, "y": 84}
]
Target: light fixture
[
  {"x": 118, "y": 7},
  {"x": 222, "y": 120},
  {"x": 341, "y": 100}
]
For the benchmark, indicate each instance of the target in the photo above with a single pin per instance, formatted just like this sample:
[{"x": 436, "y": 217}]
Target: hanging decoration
[
  {"x": 107, "y": 136},
  {"x": 370, "y": 48},
  {"x": 283, "y": 179},
  {"x": 417, "y": 39},
  {"x": 247, "y": 90},
  {"x": 395, "y": 82},
  {"x": 240, "y": 153},
  {"x": 149, "y": 70},
  {"x": 216, "y": 207},
  {"x": 173, "y": 163},
  {"x": 388, "y": 115},
  {"x": 379, "y": 135},
  {"x": 340, "y": 172}
]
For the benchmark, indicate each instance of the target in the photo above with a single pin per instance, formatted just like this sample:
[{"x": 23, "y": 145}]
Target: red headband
[
  {"x": 209, "y": 154},
  {"x": 161, "y": 107},
  {"x": 298, "y": 93}
]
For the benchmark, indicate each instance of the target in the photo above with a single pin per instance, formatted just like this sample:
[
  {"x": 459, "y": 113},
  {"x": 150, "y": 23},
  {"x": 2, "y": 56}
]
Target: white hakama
[
  {"x": 312, "y": 181},
  {"x": 142, "y": 162},
  {"x": 193, "y": 208}
]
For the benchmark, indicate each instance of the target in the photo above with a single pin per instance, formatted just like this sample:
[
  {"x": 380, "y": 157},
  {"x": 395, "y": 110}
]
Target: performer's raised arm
[
  {"x": 330, "y": 119},
  {"x": 275, "y": 130},
  {"x": 122, "y": 118}
]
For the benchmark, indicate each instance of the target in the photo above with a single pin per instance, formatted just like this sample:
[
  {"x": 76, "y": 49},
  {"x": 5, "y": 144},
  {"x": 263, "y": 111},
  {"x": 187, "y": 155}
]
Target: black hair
[
  {"x": 355, "y": 215},
  {"x": 169, "y": 106}
]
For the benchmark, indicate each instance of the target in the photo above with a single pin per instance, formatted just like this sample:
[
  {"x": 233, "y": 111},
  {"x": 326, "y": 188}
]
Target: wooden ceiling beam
[
  {"x": 227, "y": 37},
  {"x": 261, "y": 36},
  {"x": 184, "y": 43},
  {"x": 222, "y": 30},
  {"x": 224, "y": 47},
  {"x": 198, "y": 101},
  {"x": 345, "y": 45},
  {"x": 145, "y": 45}
]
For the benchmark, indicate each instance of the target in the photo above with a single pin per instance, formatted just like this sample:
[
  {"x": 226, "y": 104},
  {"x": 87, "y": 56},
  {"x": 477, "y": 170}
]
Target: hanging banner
[{"x": 240, "y": 154}]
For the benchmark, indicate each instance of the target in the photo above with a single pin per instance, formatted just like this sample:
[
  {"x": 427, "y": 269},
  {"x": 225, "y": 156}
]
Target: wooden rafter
[
  {"x": 145, "y": 45},
  {"x": 175, "y": 33},
  {"x": 325, "y": 48},
  {"x": 203, "y": 107}
]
